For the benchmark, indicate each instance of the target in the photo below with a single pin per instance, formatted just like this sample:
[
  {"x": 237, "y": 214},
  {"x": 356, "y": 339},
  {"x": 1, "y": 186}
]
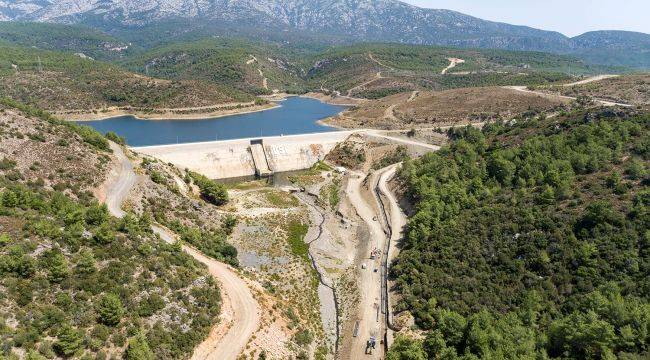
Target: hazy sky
[{"x": 570, "y": 17}]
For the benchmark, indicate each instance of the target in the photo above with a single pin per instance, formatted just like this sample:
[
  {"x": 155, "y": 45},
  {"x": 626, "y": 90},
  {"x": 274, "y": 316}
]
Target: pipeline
[{"x": 384, "y": 263}]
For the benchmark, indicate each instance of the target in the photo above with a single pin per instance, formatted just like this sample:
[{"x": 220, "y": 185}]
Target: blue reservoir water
[{"x": 296, "y": 115}]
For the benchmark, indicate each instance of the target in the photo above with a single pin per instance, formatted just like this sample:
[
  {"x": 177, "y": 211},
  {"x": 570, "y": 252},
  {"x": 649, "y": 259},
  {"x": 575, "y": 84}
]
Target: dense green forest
[{"x": 531, "y": 240}]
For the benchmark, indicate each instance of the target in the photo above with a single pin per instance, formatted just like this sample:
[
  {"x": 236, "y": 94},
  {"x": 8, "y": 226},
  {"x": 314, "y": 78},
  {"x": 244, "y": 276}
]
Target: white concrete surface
[
  {"x": 233, "y": 158},
  {"x": 259, "y": 159}
]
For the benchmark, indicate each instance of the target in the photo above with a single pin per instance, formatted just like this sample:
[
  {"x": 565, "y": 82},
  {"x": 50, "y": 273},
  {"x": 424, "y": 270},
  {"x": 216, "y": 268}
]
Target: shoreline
[
  {"x": 323, "y": 122},
  {"x": 90, "y": 116},
  {"x": 169, "y": 114},
  {"x": 328, "y": 99}
]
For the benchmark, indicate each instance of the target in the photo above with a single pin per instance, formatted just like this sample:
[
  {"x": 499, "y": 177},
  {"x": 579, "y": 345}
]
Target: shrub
[
  {"x": 211, "y": 191},
  {"x": 157, "y": 177},
  {"x": 115, "y": 138},
  {"x": 110, "y": 309},
  {"x": 7, "y": 164},
  {"x": 138, "y": 349}
]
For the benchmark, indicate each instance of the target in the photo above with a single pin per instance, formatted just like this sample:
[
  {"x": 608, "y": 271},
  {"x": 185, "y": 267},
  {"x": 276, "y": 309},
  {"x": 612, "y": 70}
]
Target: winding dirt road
[
  {"x": 558, "y": 96},
  {"x": 121, "y": 180},
  {"x": 453, "y": 62},
  {"x": 228, "y": 338}
]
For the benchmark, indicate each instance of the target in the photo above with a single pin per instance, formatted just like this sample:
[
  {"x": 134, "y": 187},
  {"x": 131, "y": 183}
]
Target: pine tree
[
  {"x": 57, "y": 267},
  {"x": 110, "y": 309},
  {"x": 69, "y": 341},
  {"x": 138, "y": 349}
]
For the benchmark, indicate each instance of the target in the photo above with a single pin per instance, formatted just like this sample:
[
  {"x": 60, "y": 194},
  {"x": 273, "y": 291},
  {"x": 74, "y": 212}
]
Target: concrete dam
[{"x": 248, "y": 157}]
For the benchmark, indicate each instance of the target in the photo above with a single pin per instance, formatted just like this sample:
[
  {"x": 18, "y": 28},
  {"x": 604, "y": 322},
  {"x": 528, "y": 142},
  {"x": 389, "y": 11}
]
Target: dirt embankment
[{"x": 440, "y": 108}]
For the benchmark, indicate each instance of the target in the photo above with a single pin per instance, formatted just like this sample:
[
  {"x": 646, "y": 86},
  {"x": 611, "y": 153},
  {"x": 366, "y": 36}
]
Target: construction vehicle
[{"x": 370, "y": 345}]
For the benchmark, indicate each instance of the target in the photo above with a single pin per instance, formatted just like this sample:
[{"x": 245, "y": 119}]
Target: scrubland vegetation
[
  {"x": 530, "y": 240},
  {"x": 77, "y": 282}
]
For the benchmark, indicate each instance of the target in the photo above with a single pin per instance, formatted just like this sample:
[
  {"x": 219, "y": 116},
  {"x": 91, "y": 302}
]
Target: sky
[{"x": 570, "y": 17}]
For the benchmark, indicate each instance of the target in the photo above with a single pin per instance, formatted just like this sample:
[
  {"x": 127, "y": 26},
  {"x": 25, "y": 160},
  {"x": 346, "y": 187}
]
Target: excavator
[{"x": 370, "y": 345}]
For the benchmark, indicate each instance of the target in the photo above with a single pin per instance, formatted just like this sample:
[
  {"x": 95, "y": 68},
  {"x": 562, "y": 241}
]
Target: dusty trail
[
  {"x": 453, "y": 62},
  {"x": 120, "y": 183},
  {"x": 236, "y": 295},
  {"x": 372, "y": 58},
  {"x": 370, "y": 320},
  {"x": 378, "y": 76},
  {"x": 389, "y": 113},
  {"x": 590, "y": 80},
  {"x": 382, "y": 134},
  {"x": 549, "y": 95},
  {"x": 414, "y": 95},
  {"x": 265, "y": 81}
]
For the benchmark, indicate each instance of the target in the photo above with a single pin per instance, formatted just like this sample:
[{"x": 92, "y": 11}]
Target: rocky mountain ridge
[{"x": 351, "y": 20}]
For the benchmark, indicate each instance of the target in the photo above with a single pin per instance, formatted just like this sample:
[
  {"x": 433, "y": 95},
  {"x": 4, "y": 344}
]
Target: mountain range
[{"x": 328, "y": 21}]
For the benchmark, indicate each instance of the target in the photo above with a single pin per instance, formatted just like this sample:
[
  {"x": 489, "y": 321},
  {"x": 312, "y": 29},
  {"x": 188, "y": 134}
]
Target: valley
[{"x": 341, "y": 180}]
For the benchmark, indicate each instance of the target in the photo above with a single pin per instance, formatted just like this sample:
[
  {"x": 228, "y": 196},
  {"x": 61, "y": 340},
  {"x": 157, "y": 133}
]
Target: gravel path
[{"x": 227, "y": 339}]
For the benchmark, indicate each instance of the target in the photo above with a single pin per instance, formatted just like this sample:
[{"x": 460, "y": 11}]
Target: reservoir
[{"x": 295, "y": 115}]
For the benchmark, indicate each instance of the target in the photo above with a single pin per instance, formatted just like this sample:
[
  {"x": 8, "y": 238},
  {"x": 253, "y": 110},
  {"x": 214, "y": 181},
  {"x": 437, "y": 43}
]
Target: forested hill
[
  {"x": 531, "y": 239},
  {"x": 76, "y": 282},
  {"x": 331, "y": 21}
]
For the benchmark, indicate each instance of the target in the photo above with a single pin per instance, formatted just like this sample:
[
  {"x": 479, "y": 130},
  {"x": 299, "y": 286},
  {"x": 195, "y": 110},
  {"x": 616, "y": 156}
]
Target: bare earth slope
[
  {"x": 429, "y": 109},
  {"x": 628, "y": 89}
]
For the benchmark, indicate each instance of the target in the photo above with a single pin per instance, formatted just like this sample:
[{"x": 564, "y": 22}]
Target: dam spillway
[{"x": 248, "y": 157}]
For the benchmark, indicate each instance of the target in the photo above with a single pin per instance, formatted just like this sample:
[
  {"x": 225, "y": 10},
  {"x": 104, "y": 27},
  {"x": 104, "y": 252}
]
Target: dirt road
[
  {"x": 372, "y": 307},
  {"x": 235, "y": 293},
  {"x": 549, "y": 95},
  {"x": 371, "y": 322},
  {"x": 590, "y": 80},
  {"x": 378, "y": 76},
  {"x": 265, "y": 81},
  {"x": 382, "y": 134},
  {"x": 452, "y": 64},
  {"x": 396, "y": 220},
  {"x": 120, "y": 183}
]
